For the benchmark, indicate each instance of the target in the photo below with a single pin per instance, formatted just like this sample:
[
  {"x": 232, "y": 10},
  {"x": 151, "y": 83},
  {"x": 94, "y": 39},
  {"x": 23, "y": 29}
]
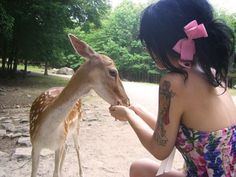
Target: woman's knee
[
  {"x": 143, "y": 168},
  {"x": 135, "y": 168}
]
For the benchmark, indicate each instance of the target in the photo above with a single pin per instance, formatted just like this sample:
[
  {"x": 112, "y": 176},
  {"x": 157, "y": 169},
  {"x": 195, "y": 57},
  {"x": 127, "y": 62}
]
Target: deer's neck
[{"x": 75, "y": 89}]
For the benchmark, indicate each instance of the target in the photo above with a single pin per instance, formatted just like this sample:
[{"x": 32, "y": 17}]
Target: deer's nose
[
  {"x": 119, "y": 102},
  {"x": 126, "y": 102}
]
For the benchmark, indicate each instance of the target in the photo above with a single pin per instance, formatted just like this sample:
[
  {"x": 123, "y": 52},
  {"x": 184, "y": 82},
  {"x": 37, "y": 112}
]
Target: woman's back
[
  {"x": 196, "y": 113},
  {"x": 206, "y": 108},
  {"x": 207, "y": 131}
]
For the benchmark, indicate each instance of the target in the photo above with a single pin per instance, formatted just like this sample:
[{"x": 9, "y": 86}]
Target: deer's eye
[{"x": 113, "y": 73}]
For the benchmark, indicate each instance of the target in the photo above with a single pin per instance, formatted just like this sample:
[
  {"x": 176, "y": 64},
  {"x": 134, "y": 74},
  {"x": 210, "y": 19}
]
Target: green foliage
[
  {"x": 31, "y": 68},
  {"x": 6, "y": 23},
  {"x": 35, "y": 30},
  {"x": 229, "y": 19},
  {"x": 118, "y": 38},
  {"x": 73, "y": 61}
]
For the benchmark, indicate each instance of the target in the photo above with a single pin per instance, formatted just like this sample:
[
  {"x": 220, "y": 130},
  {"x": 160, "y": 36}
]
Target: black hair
[{"x": 162, "y": 25}]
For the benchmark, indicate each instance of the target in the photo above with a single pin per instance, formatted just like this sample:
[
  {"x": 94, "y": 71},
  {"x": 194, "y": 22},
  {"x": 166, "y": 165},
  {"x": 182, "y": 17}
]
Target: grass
[
  {"x": 232, "y": 75},
  {"x": 41, "y": 81},
  {"x": 46, "y": 81},
  {"x": 22, "y": 90},
  {"x": 34, "y": 80},
  {"x": 30, "y": 68},
  {"x": 232, "y": 92}
]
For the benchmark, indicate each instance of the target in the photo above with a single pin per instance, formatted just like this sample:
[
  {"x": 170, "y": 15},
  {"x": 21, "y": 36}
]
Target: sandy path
[{"x": 108, "y": 147}]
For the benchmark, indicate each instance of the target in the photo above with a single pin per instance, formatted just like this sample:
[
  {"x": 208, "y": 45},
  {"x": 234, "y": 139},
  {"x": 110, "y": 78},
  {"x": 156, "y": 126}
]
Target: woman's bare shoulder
[{"x": 176, "y": 81}]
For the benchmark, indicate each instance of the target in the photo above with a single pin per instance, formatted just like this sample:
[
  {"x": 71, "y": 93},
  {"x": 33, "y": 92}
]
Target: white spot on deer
[
  {"x": 35, "y": 117},
  {"x": 32, "y": 127},
  {"x": 44, "y": 108}
]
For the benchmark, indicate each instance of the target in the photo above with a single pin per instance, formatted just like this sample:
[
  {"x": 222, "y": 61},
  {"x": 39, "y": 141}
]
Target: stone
[
  {"x": 3, "y": 154},
  {"x": 13, "y": 135},
  {"x": 65, "y": 71},
  {"x": 24, "y": 141},
  {"x": 2, "y": 173},
  {"x": 25, "y": 134},
  {"x": 3, "y": 118},
  {"x": 2, "y": 90},
  {"x": 54, "y": 70},
  {"x": 22, "y": 152},
  {"x": 22, "y": 121},
  {"x": 7, "y": 121},
  {"x": 3, "y": 132},
  {"x": 25, "y": 152},
  {"x": 25, "y": 129},
  {"x": 9, "y": 127},
  {"x": 2, "y": 94}
]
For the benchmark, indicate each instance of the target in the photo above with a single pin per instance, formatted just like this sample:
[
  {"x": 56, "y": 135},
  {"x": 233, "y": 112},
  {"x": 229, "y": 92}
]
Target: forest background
[{"x": 35, "y": 33}]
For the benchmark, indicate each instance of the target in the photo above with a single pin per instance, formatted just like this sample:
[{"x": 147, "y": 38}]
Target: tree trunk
[
  {"x": 4, "y": 57},
  {"x": 25, "y": 68},
  {"x": 3, "y": 63},
  {"x": 230, "y": 82},
  {"x": 15, "y": 57},
  {"x": 46, "y": 68},
  {"x": 9, "y": 63},
  {"x": 15, "y": 65}
]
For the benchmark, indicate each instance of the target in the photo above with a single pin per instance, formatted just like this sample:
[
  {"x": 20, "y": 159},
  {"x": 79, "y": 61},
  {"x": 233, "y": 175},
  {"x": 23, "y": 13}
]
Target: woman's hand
[{"x": 121, "y": 113}]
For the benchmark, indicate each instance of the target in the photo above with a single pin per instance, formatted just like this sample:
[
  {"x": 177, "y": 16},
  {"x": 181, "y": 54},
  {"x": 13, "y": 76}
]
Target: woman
[{"x": 196, "y": 112}]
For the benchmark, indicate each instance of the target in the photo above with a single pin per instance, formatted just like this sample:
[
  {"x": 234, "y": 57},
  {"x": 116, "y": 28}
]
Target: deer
[{"x": 56, "y": 113}]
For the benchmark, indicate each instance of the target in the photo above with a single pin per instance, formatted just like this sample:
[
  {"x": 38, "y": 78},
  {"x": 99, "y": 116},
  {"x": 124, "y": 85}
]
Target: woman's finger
[{"x": 112, "y": 108}]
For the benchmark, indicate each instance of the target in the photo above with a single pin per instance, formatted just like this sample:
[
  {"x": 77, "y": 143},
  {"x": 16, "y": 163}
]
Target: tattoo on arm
[{"x": 165, "y": 95}]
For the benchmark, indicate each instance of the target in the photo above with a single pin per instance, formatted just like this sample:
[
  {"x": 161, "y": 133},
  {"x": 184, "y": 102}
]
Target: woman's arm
[
  {"x": 161, "y": 141},
  {"x": 148, "y": 117}
]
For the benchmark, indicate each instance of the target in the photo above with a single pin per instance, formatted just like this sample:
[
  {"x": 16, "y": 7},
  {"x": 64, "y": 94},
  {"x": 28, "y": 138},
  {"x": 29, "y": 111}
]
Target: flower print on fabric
[{"x": 208, "y": 154}]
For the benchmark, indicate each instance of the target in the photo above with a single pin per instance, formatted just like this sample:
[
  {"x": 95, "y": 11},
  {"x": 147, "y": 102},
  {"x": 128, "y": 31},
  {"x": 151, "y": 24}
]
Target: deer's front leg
[
  {"x": 64, "y": 147},
  {"x": 59, "y": 158},
  {"x": 76, "y": 143},
  {"x": 35, "y": 154}
]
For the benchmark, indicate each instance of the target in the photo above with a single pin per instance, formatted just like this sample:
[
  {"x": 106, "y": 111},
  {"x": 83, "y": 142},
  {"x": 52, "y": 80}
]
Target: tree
[
  {"x": 230, "y": 20},
  {"x": 6, "y": 27},
  {"x": 118, "y": 38},
  {"x": 38, "y": 28}
]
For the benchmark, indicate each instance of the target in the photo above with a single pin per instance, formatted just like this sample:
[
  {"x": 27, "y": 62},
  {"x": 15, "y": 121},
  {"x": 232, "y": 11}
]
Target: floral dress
[{"x": 208, "y": 154}]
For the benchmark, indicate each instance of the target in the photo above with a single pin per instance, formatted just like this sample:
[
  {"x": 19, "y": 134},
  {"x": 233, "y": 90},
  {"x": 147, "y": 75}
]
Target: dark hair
[{"x": 162, "y": 26}]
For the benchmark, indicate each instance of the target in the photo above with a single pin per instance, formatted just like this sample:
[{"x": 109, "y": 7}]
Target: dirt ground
[{"x": 107, "y": 147}]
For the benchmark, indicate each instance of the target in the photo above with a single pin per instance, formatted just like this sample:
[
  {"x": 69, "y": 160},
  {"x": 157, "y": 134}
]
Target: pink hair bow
[{"x": 186, "y": 46}]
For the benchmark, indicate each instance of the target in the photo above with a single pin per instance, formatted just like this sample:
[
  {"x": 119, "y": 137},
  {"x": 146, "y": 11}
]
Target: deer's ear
[{"x": 81, "y": 47}]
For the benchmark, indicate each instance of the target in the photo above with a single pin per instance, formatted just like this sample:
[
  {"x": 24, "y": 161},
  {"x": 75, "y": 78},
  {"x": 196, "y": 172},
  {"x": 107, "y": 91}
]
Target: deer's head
[{"x": 101, "y": 73}]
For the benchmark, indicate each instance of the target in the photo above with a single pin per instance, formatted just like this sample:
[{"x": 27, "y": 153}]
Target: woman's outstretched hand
[{"x": 121, "y": 113}]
